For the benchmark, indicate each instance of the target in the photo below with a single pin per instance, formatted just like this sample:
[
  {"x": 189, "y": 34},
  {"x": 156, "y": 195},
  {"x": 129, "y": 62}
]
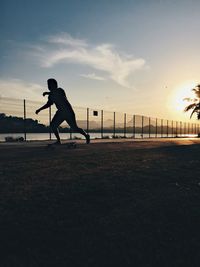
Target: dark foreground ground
[{"x": 126, "y": 204}]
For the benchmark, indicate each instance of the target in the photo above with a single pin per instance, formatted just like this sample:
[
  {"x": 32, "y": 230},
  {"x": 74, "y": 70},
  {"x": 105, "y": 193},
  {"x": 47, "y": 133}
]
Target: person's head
[{"x": 52, "y": 84}]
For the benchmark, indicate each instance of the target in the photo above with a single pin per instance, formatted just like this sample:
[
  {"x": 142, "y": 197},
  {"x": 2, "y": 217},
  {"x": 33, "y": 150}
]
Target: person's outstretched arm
[{"x": 47, "y": 105}]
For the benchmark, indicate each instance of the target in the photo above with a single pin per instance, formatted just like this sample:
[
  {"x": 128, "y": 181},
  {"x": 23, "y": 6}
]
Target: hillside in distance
[{"x": 14, "y": 124}]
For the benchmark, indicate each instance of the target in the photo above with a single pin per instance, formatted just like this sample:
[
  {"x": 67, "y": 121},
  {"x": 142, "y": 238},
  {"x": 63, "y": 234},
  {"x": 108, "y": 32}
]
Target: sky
[{"x": 138, "y": 57}]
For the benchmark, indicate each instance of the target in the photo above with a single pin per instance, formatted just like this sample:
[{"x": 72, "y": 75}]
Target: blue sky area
[{"x": 128, "y": 56}]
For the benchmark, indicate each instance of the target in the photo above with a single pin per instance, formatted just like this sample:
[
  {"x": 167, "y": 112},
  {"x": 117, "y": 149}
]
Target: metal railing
[{"x": 99, "y": 123}]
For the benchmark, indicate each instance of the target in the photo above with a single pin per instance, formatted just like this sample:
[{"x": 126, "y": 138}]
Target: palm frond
[
  {"x": 196, "y": 109},
  {"x": 198, "y": 86},
  {"x": 197, "y": 91},
  {"x": 190, "y": 107}
]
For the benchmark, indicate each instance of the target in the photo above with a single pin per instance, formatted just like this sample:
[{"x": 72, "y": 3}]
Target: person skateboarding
[{"x": 64, "y": 111}]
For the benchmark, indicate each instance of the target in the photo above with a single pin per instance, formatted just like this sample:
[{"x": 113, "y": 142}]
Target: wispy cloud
[
  {"x": 103, "y": 57},
  {"x": 66, "y": 39},
  {"x": 93, "y": 76},
  {"x": 16, "y": 88}
]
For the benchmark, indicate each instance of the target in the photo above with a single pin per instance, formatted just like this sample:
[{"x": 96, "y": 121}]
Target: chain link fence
[{"x": 18, "y": 118}]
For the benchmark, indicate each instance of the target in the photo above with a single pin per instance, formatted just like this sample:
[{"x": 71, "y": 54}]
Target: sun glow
[{"x": 176, "y": 102}]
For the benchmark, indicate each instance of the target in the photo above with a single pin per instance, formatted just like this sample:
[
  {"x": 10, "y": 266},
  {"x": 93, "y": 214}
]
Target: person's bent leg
[
  {"x": 72, "y": 123},
  {"x": 56, "y": 121}
]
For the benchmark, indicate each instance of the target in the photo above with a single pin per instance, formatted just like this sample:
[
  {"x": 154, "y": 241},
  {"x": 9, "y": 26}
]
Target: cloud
[
  {"x": 93, "y": 76},
  {"x": 16, "y": 88},
  {"x": 66, "y": 39},
  {"x": 63, "y": 48}
]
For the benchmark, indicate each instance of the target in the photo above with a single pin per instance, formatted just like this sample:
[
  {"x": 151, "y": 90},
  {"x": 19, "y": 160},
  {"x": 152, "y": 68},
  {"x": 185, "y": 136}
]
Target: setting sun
[{"x": 176, "y": 102}]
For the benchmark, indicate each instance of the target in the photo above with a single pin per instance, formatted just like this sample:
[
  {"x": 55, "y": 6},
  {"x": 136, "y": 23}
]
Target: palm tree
[{"x": 196, "y": 102}]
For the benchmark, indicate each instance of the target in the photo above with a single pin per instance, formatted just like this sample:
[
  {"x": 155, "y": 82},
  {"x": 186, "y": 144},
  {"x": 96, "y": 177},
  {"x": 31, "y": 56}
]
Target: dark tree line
[{"x": 13, "y": 124}]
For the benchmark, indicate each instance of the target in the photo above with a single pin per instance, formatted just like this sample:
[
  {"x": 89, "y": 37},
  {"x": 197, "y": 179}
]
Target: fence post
[
  {"x": 184, "y": 129},
  {"x": 142, "y": 126},
  {"x": 149, "y": 127},
  {"x": 133, "y": 126},
  {"x": 50, "y": 122},
  {"x": 88, "y": 120},
  {"x": 188, "y": 128},
  {"x": 161, "y": 127},
  {"x": 124, "y": 125},
  {"x": 167, "y": 128},
  {"x": 180, "y": 128},
  {"x": 102, "y": 124},
  {"x": 70, "y": 133},
  {"x": 156, "y": 127},
  {"x": 24, "y": 119},
  {"x": 114, "y": 124},
  {"x": 176, "y": 130}
]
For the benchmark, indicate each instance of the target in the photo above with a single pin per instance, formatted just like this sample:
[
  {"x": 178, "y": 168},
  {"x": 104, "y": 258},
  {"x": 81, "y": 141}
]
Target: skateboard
[{"x": 71, "y": 145}]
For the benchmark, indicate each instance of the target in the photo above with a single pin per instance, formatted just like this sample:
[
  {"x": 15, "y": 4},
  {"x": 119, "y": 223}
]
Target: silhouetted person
[{"x": 65, "y": 111}]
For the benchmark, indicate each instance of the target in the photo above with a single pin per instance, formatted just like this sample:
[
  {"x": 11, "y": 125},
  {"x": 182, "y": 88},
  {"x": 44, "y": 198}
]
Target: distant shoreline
[{"x": 65, "y": 136}]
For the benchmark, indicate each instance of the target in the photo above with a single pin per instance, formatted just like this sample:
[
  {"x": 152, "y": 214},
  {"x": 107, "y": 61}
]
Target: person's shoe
[{"x": 87, "y": 138}]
